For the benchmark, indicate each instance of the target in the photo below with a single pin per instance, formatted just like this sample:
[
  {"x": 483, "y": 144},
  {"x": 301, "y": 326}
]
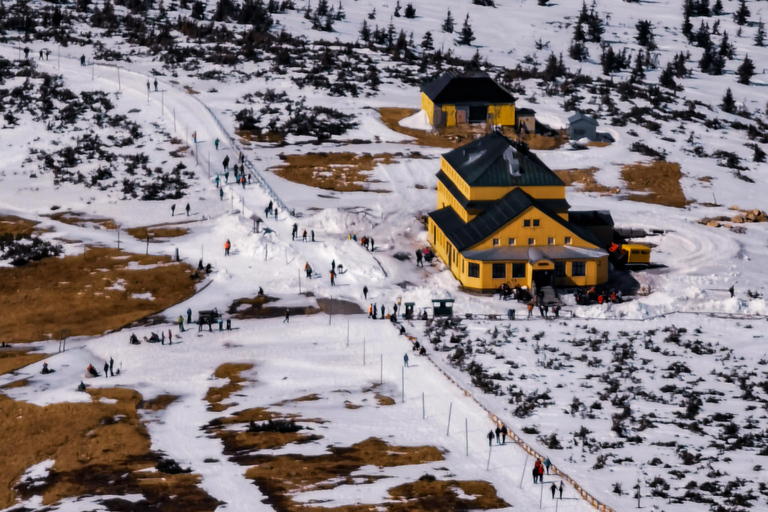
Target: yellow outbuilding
[
  {"x": 457, "y": 97},
  {"x": 502, "y": 217}
]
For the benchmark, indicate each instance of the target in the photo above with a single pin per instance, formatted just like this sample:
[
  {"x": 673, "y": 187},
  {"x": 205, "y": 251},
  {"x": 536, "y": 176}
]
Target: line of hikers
[
  {"x": 173, "y": 210},
  {"x": 543, "y": 309},
  {"x": 601, "y": 297},
  {"x": 295, "y": 231},
  {"x": 423, "y": 255},
  {"x": 272, "y": 208}
]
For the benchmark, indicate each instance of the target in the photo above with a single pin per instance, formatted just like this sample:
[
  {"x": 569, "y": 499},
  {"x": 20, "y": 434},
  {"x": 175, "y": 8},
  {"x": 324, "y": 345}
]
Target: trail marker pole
[
  {"x": 466, "y": 433},
  {"x": 174, "y": 120},
  {"x": 118, "y": 239},
  {"x": 423, "y": 407},
  {"x": 541, "y": 495},
  {"x": 347, "y": 332},
  {"x": 450, "y": 410},
  {"x": 209, "y": 164},
  {"x": 93, "y": 73},
  {"x": 162, "y": 103},
  {"x": 147, "y": 243},
  {"x": 196, "y": 153},
  {"x": 402, "y": 385},
  {"x": 299, "y": 280},
  {"x": 557, "y": 502},
  {"x": 523, "y": 477},
  {"x": 488, "y": 466},
  {"x": 381, "y": 369},
  {"x": 58, "y": 64},
  {"x": 119, "y": 85},
  {"x": 363, "y": 350}
]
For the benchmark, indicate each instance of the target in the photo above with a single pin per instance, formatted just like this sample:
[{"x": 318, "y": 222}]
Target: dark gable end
[{"x": 456, "y": 88}]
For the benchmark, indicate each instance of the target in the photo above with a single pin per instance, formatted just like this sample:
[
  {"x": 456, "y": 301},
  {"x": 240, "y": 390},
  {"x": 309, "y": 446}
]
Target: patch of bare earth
[
  {"x": 97, "y": 288},
  {"x": 98, "y": 449},
  {"x": 158, "y": 233},
  {"x": 82, "y": 220},
  {"x": 449, "y": 137},
  {"x": 280, "y": 476},
  {"x": 660, "y": 179},
  {"x": 232, "y": 372},
  {"x": 255, "y": 308},
  {"x": 17, "y": 227},
  {"x": 342, "y": 172},
  {"x": 585, "y": 178},
  {"x": 249, "y": 136},
  {"x": 13, "y": 359},
  {"x": 544, "y": 142}
]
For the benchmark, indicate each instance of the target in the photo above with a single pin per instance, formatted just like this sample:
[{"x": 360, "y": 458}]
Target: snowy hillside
[{"x": 116, "y": 120}]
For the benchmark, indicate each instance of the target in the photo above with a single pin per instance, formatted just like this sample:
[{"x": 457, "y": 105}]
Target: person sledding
[
  {"x": 46, "y": 370},
  {"x": 92, "y": 371}
]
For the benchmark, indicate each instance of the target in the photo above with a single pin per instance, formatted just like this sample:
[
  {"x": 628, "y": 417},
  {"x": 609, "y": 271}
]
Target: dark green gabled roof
[
  {"x": 496, "y": 161},
  {"x": 464, "y": 235},
  {"x": 463, "y": 88}
]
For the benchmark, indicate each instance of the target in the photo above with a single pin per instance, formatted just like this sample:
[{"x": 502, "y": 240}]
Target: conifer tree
[
  {"x": 365, "y": 32},
  {"x": 638, "y": 71},
  {"x": 397, "y": 9},
  {"x": 427, "y": 43},
  {"x": 410, "y": 11},
  {"x": 726, "y": 48},
  {"x": 717, "y": 9},
  {"x": 746, "y": 71},
  {"x": 448, "y": 24},
  {"x": 760, "y": 34},
  {"x": 728, "y": 104},
  {"x": 742, "y": 13},
  {"x": 644, "y": 35},
  {"x": 467, "y": 35}
]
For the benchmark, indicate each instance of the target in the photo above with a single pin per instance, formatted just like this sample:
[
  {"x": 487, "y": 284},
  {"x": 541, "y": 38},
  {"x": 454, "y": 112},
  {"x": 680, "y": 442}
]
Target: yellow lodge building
[
  {"x": 456, "y": 98},
  {"x": 502, "y": 218}
]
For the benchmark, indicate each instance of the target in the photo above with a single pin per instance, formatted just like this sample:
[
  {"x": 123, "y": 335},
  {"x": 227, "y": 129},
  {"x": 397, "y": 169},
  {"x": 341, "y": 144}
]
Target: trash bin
[{"x": 511, "y": 314}]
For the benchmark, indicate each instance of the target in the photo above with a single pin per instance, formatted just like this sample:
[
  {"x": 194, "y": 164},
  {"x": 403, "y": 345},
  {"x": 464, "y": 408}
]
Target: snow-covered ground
[{"x": 636, "y": 365}]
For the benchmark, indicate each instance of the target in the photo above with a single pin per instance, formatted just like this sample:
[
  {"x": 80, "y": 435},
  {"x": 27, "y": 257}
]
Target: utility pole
[
  {"x": 450, "y": 410},
  {"x": 119, "y": 85},
  {"x": 162, "y": 103}
]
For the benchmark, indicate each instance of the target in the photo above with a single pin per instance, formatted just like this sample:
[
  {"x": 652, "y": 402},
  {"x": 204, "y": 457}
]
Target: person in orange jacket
[{"x": 227, "y": 246}]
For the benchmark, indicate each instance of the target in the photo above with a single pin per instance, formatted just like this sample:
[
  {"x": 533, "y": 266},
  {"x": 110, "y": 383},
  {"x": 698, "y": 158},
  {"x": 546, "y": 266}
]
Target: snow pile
[{"x": 418, "y": 121}]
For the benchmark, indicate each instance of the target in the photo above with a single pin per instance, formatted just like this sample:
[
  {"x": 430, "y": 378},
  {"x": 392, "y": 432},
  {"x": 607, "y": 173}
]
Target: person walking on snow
[
  {"x": 242, "y": 182},
  {"x": 155, "y": 84},
  {"x": 370, "y": 310},
  {"x": 731, "y": 290},
  {"x": 313, "y": 231},
  {"x": 294, "y": 231},
  {"x": 405, "y": 360},
  {"x": 226, "y": 176},
  {"x": 490, "y": 438},
  {"x": 225, "y": 163},
  {"x": 221, "y": 194},
  {"x": 365, "y": 292},
  {"x": 333, "y": 265},
  {"x": 541, "y": 473},
  {"x": 188, "y": 209},
  {"x": 503, "y": 434},
  {"x": 217, "y": 180},
  {"x": 561, "y": 489},
  {"x": 333, "y": 278},
  {"x": 553, "y": 489},
  {"x": 194, "y": 134},
  {"x": 419, "y": 258},
  {"x": 106, "y": 369},
  {"x": 547, "y": 463},
  {"x": 147, "y": 85},
  {"x": 41, "y": 55},
  {"x": 82, "y": 59},
  {"x": 535, "y": 472},
  {"x": 304, "y": 236},
  {"x": 530, "y": 310},
  {"x": 111, "y": 366},
  {"x": 287, "y": 317},
  {"x": 269, "y": 207},
  {"x": 173, "y": 210},
  {"x": 189, "y": 315},
  {"x": 181, "y": 324},
  {"x": 227, "y": 246},
  {"x": 498, "y": 435},
  {"x": 383, "y": 312},
  {"x": 216, "y": 144}
]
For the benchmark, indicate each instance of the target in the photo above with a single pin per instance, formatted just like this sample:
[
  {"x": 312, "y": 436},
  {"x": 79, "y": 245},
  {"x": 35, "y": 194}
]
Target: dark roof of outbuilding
[
  {"x": 495, "y": 161},
  {"x": 524, "y": 112},
  {"x": 464, "y": 235},
  {"x": 578, "y": 116},
  {"x": 591, "y": 218},
  {"x": 455, "y": 87}
]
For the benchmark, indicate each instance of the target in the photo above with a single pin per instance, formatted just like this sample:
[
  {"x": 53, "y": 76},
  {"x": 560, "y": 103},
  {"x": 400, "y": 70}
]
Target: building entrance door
[{"x": 543, "y": 278}]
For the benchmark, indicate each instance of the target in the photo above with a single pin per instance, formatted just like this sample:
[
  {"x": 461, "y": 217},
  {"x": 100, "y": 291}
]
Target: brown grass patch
[
  {"x": 82, "y": 220},
  {"x": 586, "y": 178},
  {"x": 16, "y": 226},
  {"x": 350, "y": 405},
  {"x": 598, "y": 144},
  {"x": 190, "y": 90},
  {"x": 451, "y": 137},
  {"x": 427, "y": 496},
  {"x": 277, "y": 476},
  {"x": 179, "y": 152},
  {"x": 157, "y": 233},
  {"x": 248, "y": 136},
  {"x": 343, "y": 172},
  {"x": 306, "y": 398},
  {"x": 661, "y": 179},
  {"x": 97, "y": 448},
  {"x": 159, "y": 403},
  {"x": 16, "y": 384},
  {"x": 229, "y": 371},
  {"x": 542, "y": 142},
  {"x": 32, "y": 295},
  {"x": 384, "y": 399},
  {"x": 12, "y": 360}
]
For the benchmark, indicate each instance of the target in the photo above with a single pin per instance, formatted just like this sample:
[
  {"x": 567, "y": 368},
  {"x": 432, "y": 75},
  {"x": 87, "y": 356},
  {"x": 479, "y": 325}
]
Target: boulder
[{"x": 713, "y": 224}]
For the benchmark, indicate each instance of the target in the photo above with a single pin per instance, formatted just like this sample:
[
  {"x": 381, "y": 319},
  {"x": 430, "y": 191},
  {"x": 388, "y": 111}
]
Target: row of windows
[
  {"x": 531, "y": 241},
  {"x": 499, "y": 270},
  {"x": 527, "y": 223}
]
